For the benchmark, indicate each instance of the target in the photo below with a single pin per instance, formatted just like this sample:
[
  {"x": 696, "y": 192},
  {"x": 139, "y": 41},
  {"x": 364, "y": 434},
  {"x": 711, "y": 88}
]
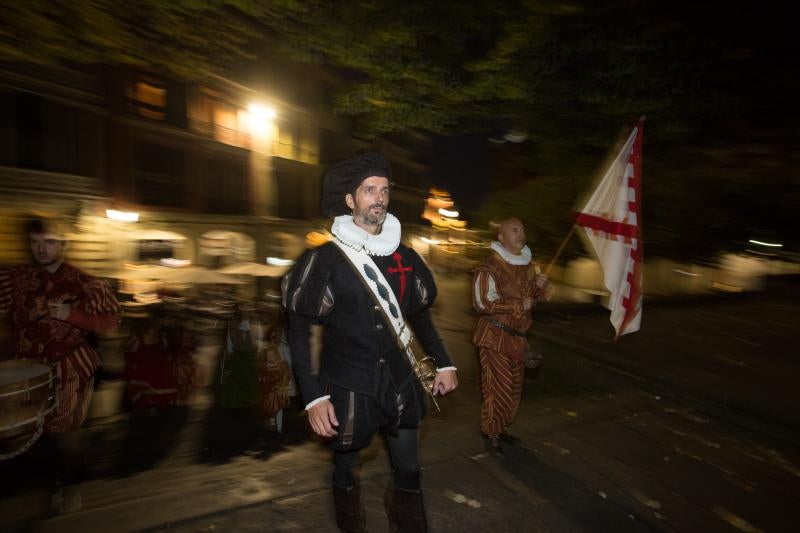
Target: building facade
[{"x": 240, "y": 157}]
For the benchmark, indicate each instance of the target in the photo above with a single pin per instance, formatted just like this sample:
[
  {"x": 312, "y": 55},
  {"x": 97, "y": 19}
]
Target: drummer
[{"x": 53, "y": 306}]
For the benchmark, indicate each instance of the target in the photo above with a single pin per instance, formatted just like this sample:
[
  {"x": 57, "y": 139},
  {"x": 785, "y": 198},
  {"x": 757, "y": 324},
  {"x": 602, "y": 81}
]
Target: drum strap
[{"x": 27, "y": 392}]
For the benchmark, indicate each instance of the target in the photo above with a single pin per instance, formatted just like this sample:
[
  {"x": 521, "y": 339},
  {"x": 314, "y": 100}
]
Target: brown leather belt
[{"x": 505, "y": 327}]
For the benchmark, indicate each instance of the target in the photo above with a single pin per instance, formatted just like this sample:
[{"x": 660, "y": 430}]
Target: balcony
[{"x": 24, "y": 181}]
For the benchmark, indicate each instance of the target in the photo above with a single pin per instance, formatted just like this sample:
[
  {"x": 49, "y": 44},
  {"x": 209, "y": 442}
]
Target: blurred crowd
[
  {"x": 157, "y": 356},
  {"x": 213, "y": 350}
]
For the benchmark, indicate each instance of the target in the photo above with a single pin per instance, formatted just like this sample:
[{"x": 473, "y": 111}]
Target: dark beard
[
  {"x": 368, "y": 219},
  {"x": 47, "y": 263}
]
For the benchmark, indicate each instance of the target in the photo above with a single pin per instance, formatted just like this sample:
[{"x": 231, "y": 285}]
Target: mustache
[{"x": 373, "y": 206}]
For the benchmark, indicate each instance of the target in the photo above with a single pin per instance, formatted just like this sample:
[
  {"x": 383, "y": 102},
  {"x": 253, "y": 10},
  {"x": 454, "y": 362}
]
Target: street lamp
[
  {"x": 261, "y": 111},
  {"x": 260, "y": 118}
]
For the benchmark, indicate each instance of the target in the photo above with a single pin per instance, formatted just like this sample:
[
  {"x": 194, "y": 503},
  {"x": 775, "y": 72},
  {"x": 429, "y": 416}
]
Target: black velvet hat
[{"x": 345, "y": 176}]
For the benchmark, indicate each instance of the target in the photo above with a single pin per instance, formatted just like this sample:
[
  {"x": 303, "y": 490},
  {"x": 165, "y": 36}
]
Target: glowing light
[
  {"x": 685, "y": 273},
  {"x": 429, "y": 241},
  {"x": 770, "y": 244},
  {"x": 261, "y": 111},
  {"x": 726, "y": 287},
  {"x": 175, "y": 263},
  {"x": 277, "y": 261},
  {"x": 515, "y": 136},
  {"x": 448, "y": 213},
  {"x": 122, "y": 216},
  {"x": 316, "y": 238}
]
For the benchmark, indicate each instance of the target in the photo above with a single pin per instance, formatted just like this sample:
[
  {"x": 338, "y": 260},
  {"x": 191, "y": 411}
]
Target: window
[
  {"x": 226, "y": 189},
  {"x": 154, "y": 250},
  {"x": 298, "y": 142},
  {"x": 226, "y": 124},
  {"x": 39, "y": 134},
  {"x": 60, "y": 133},
  {"x": 9, "y": 132},
  {"x": 159, "y": 175},
  {"x": 149, "y": 99},
  {"x": 155, "y": 99},
  {"x": 212, "y": 113},
  {"x": 286, "y": 142}
]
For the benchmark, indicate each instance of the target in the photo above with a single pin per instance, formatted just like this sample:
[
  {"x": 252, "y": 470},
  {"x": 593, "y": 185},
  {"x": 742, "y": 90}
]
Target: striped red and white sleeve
[
  {"x": 6, "y": 290},
  {"x": 100, "y": 310},
  {"x": 486, "y": 299}
]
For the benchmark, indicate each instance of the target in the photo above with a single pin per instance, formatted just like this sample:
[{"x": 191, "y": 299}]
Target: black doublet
[{"x": 360, "y": 351}]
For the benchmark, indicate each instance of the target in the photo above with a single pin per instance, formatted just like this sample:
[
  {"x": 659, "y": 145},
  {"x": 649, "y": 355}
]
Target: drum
[{"x": 27, "y": 396}]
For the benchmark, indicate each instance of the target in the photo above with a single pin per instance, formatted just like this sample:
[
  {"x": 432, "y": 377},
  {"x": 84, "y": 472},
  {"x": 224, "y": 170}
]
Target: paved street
[{"x": 688, "y": 425}]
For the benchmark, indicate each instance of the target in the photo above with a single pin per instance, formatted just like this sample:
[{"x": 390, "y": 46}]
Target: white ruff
[
  {"x": 384, "y": 243},
  {"x": 524, "y": 257}
]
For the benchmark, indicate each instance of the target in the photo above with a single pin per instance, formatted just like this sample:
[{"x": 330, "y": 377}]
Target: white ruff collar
[
  {"x": 384, "y": 243},
  {"x": 524, "y": 257}
]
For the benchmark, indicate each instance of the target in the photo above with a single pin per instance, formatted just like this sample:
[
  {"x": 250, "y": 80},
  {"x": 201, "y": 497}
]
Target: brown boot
[
  {"x": 493, "y": 447},
  {"x": 406, "y": 510},
  {"x": 349, "y": 513}
]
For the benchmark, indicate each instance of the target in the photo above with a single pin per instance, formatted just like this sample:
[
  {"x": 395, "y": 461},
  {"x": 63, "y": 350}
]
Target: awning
[
  {"x": 255, "y": 269},
  {"x": 154, "y": 235}
]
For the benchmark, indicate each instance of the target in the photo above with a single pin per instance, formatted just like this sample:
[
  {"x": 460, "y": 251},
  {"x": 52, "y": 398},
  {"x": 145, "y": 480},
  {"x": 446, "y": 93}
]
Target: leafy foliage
[{"x": 188, "y": 39}]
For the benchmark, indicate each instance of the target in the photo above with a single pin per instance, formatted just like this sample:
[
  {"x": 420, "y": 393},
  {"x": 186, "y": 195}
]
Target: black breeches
[{"x": 404, "y": 453}]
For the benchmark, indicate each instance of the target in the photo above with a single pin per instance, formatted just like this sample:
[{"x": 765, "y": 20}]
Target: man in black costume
[{"x": 366, "y": 383}]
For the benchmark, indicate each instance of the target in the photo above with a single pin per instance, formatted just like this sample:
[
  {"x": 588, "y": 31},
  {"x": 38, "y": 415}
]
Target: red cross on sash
[{"x": 399, "y": 269}]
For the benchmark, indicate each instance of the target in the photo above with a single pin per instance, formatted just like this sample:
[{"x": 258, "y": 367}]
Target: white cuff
[
  {"x": 446, "y": 368},
  {"x": 315, "y": 402}
]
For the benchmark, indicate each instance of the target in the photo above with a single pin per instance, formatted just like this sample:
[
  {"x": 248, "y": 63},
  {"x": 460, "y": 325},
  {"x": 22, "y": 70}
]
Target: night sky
[{"x": 460, "y": 165}]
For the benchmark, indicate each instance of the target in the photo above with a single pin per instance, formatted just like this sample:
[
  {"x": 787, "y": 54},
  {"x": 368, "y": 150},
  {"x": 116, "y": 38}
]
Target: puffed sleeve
[
  {"x": 419, "y": 316},
  {"x": 487, "y": 300},
  {"x": 100, "y": 309},
  {"x": 306, "y": 288},
  {"x": 308, "y": 299},
  {"x": 423, "y": 287}
]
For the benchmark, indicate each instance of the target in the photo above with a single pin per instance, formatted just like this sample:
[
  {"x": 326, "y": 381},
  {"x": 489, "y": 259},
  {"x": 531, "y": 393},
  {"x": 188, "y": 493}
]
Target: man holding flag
[{"x": 505, "y": 287}]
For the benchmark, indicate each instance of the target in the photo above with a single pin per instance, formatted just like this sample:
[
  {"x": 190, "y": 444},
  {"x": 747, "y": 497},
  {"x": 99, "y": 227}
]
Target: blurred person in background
[
  {"x": 274, "y": 375},
  {"x": 159, "y": 372},
  {"x": 54, "y": 306},
  {"x": 276, "y": 338},
  {"x": 505, "y": 288},
  {"x": 235, "y": 421},
  {"x": 365, "y": 384}
]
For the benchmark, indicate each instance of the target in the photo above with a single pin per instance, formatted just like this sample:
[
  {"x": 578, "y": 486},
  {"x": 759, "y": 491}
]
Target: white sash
[
  {"x": 375, "y": 279},
  {"x": 425, "y": 369}
]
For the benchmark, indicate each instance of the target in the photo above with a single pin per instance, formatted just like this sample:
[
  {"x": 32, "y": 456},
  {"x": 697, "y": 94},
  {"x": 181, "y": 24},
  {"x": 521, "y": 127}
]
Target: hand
[
  {"x": 59, "y": 311},
  {"x": 445, "y": 382},
  {"x": 527, "y": 303},
  {"x": 545, "y": 289},
  {"x": 323, "y": 419}
]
